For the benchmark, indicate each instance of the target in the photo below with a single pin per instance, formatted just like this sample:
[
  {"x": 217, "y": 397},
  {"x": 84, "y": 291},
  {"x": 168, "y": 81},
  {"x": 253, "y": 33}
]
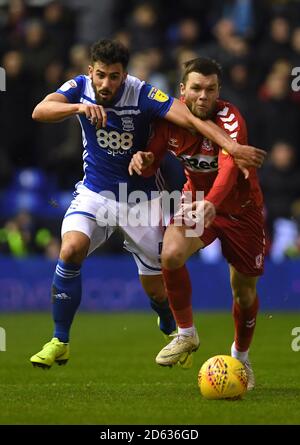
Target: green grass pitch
[{"x": 112, "y": 378}]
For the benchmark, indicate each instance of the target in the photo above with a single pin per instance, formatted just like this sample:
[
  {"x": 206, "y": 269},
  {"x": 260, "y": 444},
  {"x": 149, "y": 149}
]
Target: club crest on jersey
[
  {"x": 173, "y": 142},
  {"x": 207, "y": 145},
  {"x": 158, "y": 95},
  {"x": 69, "y": 84},
  {"x": 127, "y": 123}
]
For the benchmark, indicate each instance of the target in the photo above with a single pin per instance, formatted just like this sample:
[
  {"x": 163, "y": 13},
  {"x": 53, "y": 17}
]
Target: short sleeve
[
  {"x": 154, "y": 101},
  {"x": 72, "y": 89}
]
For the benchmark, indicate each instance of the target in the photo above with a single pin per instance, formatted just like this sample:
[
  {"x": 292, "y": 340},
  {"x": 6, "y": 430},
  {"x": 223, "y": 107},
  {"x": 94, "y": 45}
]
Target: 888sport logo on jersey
[{"x": 114, "y": 142}]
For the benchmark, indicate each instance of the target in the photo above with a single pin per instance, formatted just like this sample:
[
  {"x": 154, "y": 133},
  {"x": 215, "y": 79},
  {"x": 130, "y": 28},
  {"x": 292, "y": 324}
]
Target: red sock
[
  {"x": 244, "y": 321},
  {"x": 179, "y": 292}
]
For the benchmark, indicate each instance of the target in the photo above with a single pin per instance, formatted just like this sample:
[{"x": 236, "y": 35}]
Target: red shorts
[{"x": 242, "y": 240}]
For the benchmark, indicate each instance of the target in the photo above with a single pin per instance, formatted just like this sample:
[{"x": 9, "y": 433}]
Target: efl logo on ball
[{"x": 222, "y": 377}]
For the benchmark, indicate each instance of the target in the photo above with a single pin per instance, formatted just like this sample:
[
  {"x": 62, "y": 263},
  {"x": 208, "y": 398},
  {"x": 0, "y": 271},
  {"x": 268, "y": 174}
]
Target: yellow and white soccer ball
[{"x": 222, "y": 377}]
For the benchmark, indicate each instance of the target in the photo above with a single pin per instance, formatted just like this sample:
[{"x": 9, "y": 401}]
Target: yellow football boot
[{"x": 54, "y": 351}]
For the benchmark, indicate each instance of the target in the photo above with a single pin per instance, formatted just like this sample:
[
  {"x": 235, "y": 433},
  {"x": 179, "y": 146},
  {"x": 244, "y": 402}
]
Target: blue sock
[
  {"x": 66, "y": 297},
  {"x": 167, "y": 323}
]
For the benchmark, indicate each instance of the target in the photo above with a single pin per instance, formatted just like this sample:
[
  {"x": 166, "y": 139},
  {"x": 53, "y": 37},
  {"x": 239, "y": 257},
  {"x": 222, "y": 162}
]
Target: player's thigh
[
  {"x": 243, "y": 287},
  {"x": 243, "y": 242},
  {"x": 178, "y": 247},
  {"x": 143, "y": 229},
  {"x": 81, "y": 217},
  {"x": 145, "y": 244},
  {"x": 84, "y": 234}
]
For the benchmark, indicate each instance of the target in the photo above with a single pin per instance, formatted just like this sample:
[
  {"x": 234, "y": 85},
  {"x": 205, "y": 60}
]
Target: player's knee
[
  {"x": 244, "y": 295},
  {"x": 73, "y": 253},
  {"x": 172, "y": 258}
]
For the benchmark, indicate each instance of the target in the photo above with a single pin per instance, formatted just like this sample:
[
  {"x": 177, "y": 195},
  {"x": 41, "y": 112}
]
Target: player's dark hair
[
  {"x": 109, "y": 52},
  {"x": 202, "y": 65}
]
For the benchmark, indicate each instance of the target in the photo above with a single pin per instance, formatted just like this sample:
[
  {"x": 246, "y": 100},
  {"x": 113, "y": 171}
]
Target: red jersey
[{"x": 207, "y": 167}]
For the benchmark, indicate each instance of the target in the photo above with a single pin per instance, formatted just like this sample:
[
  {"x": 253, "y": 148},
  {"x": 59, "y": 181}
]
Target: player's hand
[
  {"x": 199, "y": 211},
  {"x": 206, "y": 210},
  {"x": 140, "y": 161},
  {"x": 94, "y": 113},
  {"x": 246, "y": 156}
]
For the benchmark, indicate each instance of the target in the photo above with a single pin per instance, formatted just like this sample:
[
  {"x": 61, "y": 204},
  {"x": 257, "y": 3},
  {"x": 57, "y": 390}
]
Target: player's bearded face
[
  {"x": 201, "y": 93},
  {"x": 106, "y": 81}
]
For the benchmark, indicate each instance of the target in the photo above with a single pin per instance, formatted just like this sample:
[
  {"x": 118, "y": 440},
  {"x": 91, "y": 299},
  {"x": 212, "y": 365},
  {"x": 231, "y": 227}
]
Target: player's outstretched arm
[
  {"x": 245, "y": 156},
  {"x": 56, "y": 108}
]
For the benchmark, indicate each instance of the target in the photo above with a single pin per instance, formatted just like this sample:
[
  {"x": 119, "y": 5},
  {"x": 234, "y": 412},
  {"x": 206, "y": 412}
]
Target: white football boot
[
  {"x": 179, "y": 350},
  {"x": 243, "y": 357}
]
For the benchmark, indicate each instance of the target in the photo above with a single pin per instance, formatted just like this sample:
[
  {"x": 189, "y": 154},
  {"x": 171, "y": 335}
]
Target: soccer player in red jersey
[{"x": 231, "y": 210}]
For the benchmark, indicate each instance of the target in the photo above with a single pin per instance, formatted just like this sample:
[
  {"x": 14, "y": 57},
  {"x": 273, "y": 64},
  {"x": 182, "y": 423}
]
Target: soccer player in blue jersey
[{"x": 115, "y": 111}]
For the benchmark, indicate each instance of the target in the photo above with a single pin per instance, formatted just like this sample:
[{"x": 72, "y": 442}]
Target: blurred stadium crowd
[{"x": 44, "y": 43}]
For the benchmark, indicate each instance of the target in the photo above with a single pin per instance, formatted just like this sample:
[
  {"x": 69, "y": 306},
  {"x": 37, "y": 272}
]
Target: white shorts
[{"x": 98, "y": 217}]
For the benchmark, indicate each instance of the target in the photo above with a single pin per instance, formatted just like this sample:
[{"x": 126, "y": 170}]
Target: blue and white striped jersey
[{"x": 107, "y": 151}]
